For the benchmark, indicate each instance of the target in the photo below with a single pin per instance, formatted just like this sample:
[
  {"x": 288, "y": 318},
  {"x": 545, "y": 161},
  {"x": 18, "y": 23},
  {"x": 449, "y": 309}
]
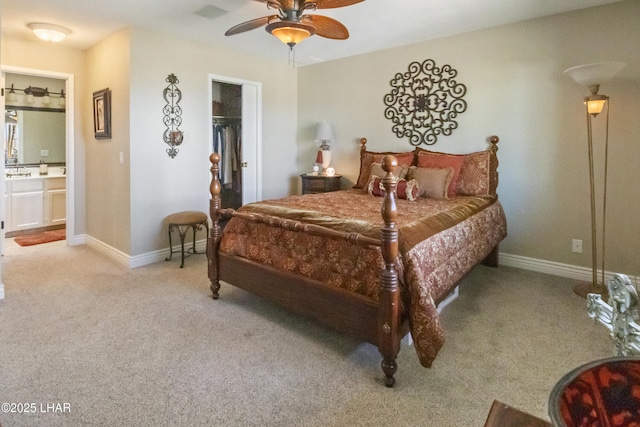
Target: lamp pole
[{"x": 592, "y": 76}]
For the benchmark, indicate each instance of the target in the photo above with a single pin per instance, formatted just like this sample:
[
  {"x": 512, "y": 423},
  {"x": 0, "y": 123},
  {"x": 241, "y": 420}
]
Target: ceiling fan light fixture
[
  {"x": 49, "y": 32},
  {"x": 290, "y": 33}
]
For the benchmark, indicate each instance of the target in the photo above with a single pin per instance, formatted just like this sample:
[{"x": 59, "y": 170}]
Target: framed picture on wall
[{"x": 102, "y": 114}]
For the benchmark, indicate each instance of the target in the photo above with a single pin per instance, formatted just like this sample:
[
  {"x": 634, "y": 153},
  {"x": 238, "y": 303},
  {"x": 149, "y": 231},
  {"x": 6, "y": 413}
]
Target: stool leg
[
  {"x": 194, "y": 237},
  {"x": 206, "y": 228},
  {"x": 182, "y": 235},
  {"x": 170, "y": 245}
]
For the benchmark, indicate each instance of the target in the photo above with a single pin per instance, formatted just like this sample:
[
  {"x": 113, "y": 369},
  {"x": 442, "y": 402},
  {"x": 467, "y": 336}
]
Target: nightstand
[{"x": 319, "y": 183}]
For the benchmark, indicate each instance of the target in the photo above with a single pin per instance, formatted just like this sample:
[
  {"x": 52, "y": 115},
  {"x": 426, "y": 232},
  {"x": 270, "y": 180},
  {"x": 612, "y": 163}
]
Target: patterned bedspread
[{"x": 439, "y": 242}]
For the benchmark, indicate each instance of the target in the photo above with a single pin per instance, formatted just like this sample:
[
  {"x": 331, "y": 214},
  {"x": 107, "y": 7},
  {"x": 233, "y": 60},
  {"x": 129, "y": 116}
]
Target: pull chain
[{"x": 292, "y": 56}]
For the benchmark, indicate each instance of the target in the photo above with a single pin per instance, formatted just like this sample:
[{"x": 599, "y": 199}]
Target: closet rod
[{"x": 222, "y": 120}]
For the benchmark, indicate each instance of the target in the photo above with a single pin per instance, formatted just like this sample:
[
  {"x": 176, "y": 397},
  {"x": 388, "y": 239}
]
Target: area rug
[{"x": 37, "y": 238}]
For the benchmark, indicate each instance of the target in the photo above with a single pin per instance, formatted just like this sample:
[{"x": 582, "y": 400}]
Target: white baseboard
[
  {"x": 142, "y": 259},
  {"x": 77, "y": 240},
  {"x": 555, "y": 268}
]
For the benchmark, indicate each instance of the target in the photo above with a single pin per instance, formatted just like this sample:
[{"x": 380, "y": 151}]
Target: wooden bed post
[
  {"x": 389, "y": 296},
  {"x": 493, "y": 140},
  {"x": 492, "y": 259},
  {"x": 363, "y": 148},
  {"x": 215, "y": 231}
]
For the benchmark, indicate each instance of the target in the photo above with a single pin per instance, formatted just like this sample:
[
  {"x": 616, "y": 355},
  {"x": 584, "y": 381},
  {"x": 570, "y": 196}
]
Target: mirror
[{"x": 33, "y": 135}]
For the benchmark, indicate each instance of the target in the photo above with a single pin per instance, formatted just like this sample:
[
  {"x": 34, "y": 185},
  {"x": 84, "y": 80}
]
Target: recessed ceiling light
[{"x": 49, "y": 32}]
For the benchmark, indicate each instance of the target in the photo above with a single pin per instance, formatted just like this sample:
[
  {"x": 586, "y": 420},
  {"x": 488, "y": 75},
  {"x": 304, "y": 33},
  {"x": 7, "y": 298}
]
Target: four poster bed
[{"x": 332, "y": 257}]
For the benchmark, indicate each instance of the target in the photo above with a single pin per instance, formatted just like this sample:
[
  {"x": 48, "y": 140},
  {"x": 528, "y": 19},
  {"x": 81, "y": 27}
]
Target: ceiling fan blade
[
  {"x": 274, "y": 3},
  {"x": 250, "y": 25},
  {"x": 331, "y": 4},
  {"x": 327, "y": 27}
]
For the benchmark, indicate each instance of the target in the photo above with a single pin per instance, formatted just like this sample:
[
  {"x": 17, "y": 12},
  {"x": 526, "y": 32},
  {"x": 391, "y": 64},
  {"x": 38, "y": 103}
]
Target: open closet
[{"x": 227, "y": 140}]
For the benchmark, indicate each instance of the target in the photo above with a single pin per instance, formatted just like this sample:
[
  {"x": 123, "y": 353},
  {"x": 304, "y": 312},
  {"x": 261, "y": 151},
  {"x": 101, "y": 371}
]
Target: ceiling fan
[{"x": 291, "y": 25}]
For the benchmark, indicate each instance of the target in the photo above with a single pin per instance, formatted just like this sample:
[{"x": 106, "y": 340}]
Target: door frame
[
  {"x": 249, "y": 130},
  {"x": 69, "y": 145}
]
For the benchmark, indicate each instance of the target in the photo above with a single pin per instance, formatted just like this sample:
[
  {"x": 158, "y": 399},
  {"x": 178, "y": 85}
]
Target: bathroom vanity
[{"x": 35, "y": 200}]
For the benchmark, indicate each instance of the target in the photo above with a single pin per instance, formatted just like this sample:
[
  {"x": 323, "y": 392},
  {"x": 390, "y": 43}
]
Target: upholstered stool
[{"x": 184, "y": 221}]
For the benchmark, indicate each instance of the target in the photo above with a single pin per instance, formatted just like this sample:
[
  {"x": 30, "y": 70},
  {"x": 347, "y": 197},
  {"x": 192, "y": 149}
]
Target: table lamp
[{"x": 324, "y": 134}]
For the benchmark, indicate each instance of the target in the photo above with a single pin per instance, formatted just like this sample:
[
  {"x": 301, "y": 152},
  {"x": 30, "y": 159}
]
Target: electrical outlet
[
  {"x": 44, "y": 153},
  {"x": 576, "y": 246}
]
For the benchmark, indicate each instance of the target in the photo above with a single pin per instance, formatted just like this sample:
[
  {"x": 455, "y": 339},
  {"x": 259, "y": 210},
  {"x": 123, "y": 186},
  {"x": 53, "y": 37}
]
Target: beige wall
[
  {"x": 46, "y": 57},
  {"x": 127, "y": 203},
  {"x": 516, "y": 90},
  {"x": 161, "y": 185},
  {"x": 108, "y": 181}
]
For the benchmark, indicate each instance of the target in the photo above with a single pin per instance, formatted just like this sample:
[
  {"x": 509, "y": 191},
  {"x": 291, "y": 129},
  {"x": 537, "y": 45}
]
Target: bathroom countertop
[{"x": 53, "y": 172}]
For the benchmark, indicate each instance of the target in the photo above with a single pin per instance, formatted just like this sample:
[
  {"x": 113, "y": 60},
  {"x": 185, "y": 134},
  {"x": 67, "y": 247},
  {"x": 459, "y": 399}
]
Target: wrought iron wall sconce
[
  {"x": 424, "y": 101},
  {"x": 33, "y": 92},
  {"x": 173, "y": 136}
]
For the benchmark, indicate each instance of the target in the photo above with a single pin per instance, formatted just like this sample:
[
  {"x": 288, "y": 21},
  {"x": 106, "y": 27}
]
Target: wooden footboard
[{"x": 379, "y": 323}]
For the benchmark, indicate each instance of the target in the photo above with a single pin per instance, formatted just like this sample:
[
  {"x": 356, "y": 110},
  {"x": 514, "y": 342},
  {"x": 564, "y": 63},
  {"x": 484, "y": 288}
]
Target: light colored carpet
[{"x": 149, "y": 347}]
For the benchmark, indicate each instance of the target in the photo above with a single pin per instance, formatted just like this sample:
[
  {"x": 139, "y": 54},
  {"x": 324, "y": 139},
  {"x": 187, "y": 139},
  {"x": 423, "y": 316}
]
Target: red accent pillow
[
  {"x": 428, "y": 159},
  {"x": 404, "y": 189},
  {"x": 370, "y": 157}
]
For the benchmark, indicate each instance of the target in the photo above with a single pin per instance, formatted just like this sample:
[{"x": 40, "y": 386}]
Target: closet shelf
[{"x": 226, "y": 117}]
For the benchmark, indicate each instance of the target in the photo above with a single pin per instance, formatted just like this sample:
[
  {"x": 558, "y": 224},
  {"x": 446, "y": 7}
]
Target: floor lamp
[{"x": 592, "y": 76}]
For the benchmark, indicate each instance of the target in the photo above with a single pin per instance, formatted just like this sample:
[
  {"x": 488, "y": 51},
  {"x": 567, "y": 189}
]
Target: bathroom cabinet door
[
  {"x": 27, "y": 210},
  {"x": 55, "y": 201},
  {"x": 57, "y": 204}
]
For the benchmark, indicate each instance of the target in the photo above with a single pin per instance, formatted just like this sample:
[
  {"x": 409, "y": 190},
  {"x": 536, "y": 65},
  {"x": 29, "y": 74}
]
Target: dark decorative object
[
  {"x": 172, "y": 112},
  {"x": 601, "y": 393},
  {"x": 424, "y": 102},
  {"x": 102, "y": 114}
]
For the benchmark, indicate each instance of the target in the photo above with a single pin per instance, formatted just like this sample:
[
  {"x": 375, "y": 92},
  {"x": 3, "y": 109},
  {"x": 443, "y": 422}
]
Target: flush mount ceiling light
[{"x": 49, "y": 32}]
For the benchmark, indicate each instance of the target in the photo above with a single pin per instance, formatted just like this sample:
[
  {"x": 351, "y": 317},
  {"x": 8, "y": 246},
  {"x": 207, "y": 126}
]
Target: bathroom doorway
[{"x": 37, "y": 192}]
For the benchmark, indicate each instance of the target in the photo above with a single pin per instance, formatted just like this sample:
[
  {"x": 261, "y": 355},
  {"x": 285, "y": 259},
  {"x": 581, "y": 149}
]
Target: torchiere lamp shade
[{"x": 597, "y": 73}]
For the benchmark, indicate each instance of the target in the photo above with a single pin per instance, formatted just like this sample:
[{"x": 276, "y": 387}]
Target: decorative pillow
[
  {"x": 409, "y": 190},
  {"x": 400, "y": 172},
  {"x": 478, "y": 174},
  {"x": 430, "y": 159},
  {"x": 475, "y": 175},
  {"x": 369, "y": 157},
  {"x": 433, "y": 182}
]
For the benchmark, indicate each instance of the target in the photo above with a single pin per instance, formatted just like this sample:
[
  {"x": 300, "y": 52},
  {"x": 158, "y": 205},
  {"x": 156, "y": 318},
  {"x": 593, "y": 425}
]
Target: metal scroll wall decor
[
  {"x": 172, "y": 112},
  {"x": 424, "y": 102}
]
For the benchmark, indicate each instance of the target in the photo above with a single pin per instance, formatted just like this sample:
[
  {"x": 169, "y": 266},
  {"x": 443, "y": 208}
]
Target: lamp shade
[
  {"x": 594, "y": 74},
  {"x": 324, "y": 132},
  {"x": 290, "y": 33},
  {"x": 596, "y": 105},
  {"x": 11, "y": 96}
]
